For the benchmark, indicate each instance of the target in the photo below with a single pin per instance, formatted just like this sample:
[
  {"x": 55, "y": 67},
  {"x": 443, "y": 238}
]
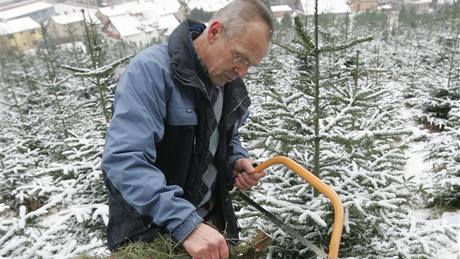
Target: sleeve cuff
[
  {"x": 233, "y": 158},
  {"x": 231, "y": 162},
  {"x": 186, "y": 227}
]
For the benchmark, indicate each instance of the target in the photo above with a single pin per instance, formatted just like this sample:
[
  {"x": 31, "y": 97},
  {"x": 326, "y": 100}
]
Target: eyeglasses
[{"x": 238, "y": 59}]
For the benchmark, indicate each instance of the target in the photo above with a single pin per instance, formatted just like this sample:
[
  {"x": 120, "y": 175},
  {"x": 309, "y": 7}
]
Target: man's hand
[
  {"x": 206, "y": 243},
  {"x": 245, "y": 174}
]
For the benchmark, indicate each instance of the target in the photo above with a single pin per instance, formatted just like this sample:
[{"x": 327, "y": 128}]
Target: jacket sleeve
[{"x": 130, "y": 153}]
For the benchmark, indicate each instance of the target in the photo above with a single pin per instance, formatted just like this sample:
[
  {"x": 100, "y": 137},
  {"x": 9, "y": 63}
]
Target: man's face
[{"x": 232, "y": 56}]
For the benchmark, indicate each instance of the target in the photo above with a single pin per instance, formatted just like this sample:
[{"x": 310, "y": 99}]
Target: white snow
[
  {"x": 68, "y": 8},
  {"x": 451, "y": 218},
  {"x": 208, "y": 6},
  {"x": 24, "y": 10},
  {"x": 325, "y": 6},
  {"x": 57, "y": 231},
  {"x": 126, "y": 25},
  {"x": 73, "y": 18},
  {"x": 418, "y": 169},
  {"x": 18, "y": 25},
  {"x": 280, "y": 8},
  {"x": 112, "y": 10},
  {"x": 416, "y": 164},
  {"x": 3, "y": 108},
  {"x": 415, "y": 2},
  {"x": 142, "y": 8},
  {"x": 142, "y": 20},
  {"x": 3, "y": 207},
  {"x": 385, "y": 7},
  {"x": 424, "y": 220},
  {"x": 166, "y": 7},
  {"x": 167, "y": 23}
]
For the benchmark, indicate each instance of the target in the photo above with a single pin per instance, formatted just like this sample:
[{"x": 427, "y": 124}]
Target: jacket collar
[{"x": 185, "y": 66}]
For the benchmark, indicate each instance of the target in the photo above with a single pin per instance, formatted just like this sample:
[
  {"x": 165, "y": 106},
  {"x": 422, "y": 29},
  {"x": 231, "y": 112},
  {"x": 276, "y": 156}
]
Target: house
[
  {"x": 280, "y": 10},
  {"x": 389, "y": 5},
  {"x": 131, "y": 21},
  {"x": 421, "y": 6},
  {"x": 208, "y": 6},
  {"x": 142, "y": 9},
  {"x": 139, "y": 21},
  {"x": 168, "y": 7},
  {"x": 295, "y": 5},
  {"x": 167, "y": 24},
  {"x": 68, "y": 27},
  {"x": 88, "y": 3},
  {"x": 38, "y": 11},
  {"x": 126, "y": 27},
  {"x": 363, "y": 5},
  {"x": 20, "y": 34},
  {"x": 68, "y": 8},
  {"x": 327, "y": 6}
]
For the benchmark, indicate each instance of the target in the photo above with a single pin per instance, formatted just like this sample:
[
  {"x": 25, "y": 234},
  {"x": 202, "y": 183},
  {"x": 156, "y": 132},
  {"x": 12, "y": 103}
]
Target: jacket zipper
[{"x": 194, "y": 144}]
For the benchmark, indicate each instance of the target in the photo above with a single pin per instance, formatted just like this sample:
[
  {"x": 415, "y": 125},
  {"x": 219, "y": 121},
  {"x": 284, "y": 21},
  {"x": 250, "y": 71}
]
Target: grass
[{"x": 165, "y": 248}]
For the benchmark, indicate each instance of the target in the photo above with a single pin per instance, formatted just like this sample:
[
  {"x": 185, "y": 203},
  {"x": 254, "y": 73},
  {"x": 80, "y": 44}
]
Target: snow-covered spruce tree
[
  {"x": 57, "y": 208},
  {"x": 22, "y": 148},
  {"x": 21, "y": 98},
  {"x": 371, "y": 20},
  {"x": 442, "y": 83},
  {"x": 410, "y": 60},
  {"x": 98, "y": 73},
  {"x": 445, "y": 146},
  {"x": 359, "y": 154},
  {"x": 433, "y": 92}
]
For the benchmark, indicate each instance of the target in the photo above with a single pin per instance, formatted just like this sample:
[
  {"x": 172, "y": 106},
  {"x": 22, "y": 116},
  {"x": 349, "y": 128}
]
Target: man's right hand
[{"x": 206, "y": 242}]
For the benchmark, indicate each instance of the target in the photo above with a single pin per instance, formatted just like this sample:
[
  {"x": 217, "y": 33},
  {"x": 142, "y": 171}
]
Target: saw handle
[{"x": 322, "y": 188}]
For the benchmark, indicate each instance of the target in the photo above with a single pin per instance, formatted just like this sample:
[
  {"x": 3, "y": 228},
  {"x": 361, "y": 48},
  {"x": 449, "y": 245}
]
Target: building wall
[
  {"x": 138, "y": 39},
  {"x": 363, "y": 5},
  {"x": 395, "y": 4},
  {"x": 421, "y": 7},
  {"x": 280, "y": 14},
  {"x": 294, "y": 4},
  {"x": 24, "y": 40},
  {"x": 64, "y": 33},
  {"x": 103, "y": 18}
]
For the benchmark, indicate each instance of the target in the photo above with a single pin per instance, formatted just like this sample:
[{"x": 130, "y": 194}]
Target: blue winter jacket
[{"x": 156, "y": 144}]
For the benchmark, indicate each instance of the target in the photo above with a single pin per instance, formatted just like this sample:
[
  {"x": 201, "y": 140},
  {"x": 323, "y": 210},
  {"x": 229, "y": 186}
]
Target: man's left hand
[{"x": 245, "y": 174}]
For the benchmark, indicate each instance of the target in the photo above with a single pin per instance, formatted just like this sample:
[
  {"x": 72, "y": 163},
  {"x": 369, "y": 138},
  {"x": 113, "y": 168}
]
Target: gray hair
[{"x": 236, "y": 14}]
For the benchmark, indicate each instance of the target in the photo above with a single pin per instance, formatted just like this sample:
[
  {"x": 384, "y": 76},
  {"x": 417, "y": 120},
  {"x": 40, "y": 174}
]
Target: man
[{"x": 172, "y": 150}]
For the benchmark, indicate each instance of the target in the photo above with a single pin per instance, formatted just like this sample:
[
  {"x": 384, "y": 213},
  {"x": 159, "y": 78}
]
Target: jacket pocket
[{"x": 181, "y": 116}]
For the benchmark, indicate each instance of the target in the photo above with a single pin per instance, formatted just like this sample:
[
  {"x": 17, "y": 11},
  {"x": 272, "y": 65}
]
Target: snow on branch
[
  {"x": 345, "y": 46},
  {"x": 364, "y": 134},
  {"x": 86, "y": 72}
]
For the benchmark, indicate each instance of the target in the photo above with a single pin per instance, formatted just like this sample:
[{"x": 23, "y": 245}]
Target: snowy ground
[
  {"x": 418, "y": 168},
  {"x": 2, "y": 105}
]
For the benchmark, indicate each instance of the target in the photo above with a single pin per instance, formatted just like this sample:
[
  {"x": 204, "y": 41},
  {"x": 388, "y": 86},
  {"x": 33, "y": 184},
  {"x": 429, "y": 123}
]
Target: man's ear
[{"x": 215, "y": 30}]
